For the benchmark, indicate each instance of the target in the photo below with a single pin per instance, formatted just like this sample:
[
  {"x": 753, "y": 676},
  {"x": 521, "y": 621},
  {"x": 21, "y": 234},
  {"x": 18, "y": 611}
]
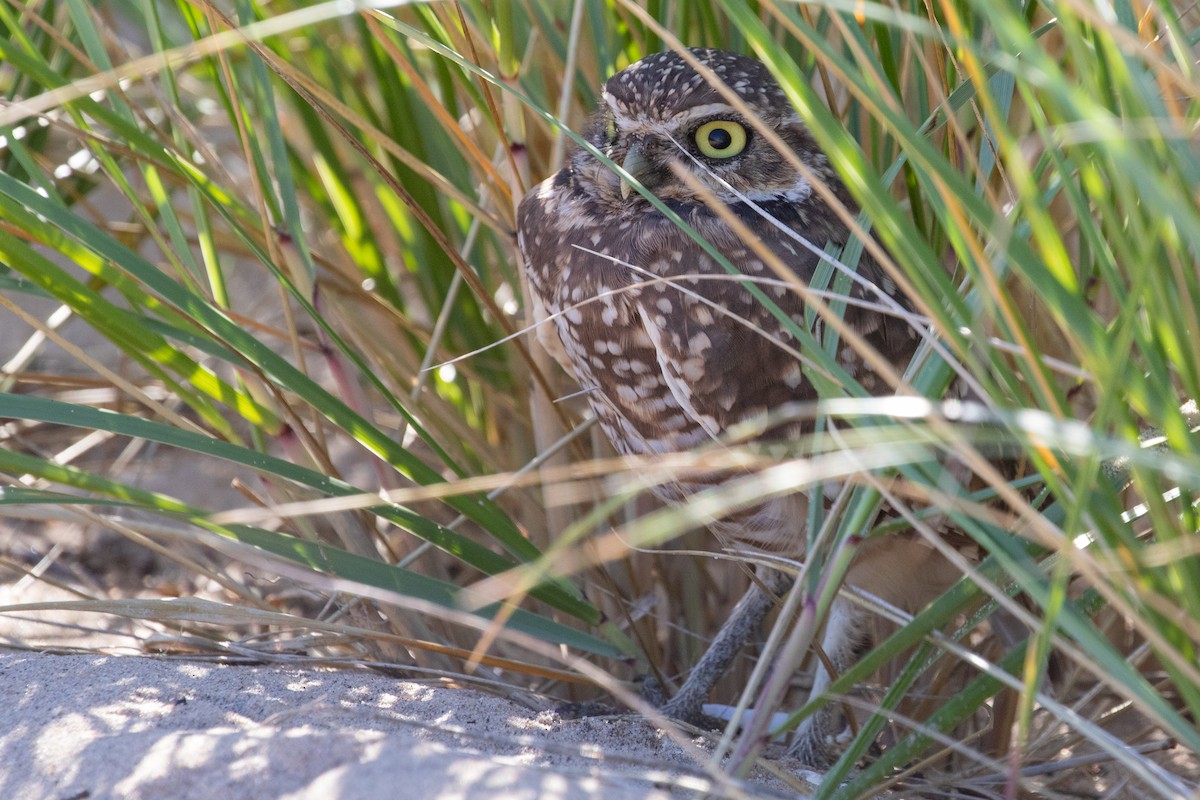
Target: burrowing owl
[{"x": 670, "y": 349}]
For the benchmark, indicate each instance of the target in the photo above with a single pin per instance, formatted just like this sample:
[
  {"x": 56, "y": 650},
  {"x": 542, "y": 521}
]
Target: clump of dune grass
[{"x": 290, "y": 228}]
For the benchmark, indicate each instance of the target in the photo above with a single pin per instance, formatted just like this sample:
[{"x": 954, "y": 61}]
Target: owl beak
[{"x": 638, "y": 166}]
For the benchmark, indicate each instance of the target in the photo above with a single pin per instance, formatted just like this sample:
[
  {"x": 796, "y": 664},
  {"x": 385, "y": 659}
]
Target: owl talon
[
  {"x": 652, "y": 692},
  {"x": 680, "y": 708},
  {"x": 687, "y": 714}
]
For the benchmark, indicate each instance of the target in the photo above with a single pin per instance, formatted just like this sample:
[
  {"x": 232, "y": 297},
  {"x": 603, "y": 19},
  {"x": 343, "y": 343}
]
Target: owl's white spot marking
[
  {"x": 615, "y": 348},
  {"x": 600, "y": 346},
  {"x": 598, "y": 362},
  {"x": 638, "y": 367},
  {"x": 692, "y": 369},
  {"x": 644, "y": 392},
  {"x": 800, "y": 192},
  {"x": 627, "y": 394},
  {"x": 870, "y": 325},
  {"x": 675, "y": 422},
  {"x": 754, "y": 411},
  {"x": 700, "y": 342},
  {"x": 702, "y": 315},
  {"x": 792, "y": 375},
  {"x": 678, "y": 389},
  {"x": 608, "y": 312},
  {"x": 574, "y": 316},
  {"x": 664, "y": 305}
]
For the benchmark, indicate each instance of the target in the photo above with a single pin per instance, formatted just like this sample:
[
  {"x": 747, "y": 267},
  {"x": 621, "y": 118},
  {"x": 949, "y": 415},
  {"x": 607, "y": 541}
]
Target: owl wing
[{"x": 726, "y": 358}]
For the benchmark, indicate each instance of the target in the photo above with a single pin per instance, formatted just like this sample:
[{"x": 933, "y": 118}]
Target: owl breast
[
  {"x": 670, "y": 349},
  {"x": 595, "y": 300}
]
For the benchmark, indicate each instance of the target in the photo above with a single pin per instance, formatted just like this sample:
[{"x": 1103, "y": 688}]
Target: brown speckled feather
[{"x": 671, "y": 349}]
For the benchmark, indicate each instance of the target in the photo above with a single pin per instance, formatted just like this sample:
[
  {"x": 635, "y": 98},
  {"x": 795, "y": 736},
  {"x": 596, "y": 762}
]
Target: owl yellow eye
[{"x": 721, "y": 138}]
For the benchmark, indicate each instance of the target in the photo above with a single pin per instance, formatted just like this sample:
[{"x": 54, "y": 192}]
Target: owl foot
[
  {"x": 686, "y": 707},
  {"x": 817, "y": 748},
  {"x": 819, "y": 743}
]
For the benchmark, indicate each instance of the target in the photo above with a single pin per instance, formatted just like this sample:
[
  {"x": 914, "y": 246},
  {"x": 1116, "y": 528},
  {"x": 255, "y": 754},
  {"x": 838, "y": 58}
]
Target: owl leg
[
  {"x": 819, "y": 738},
  {"x": 688, "y": 703}
]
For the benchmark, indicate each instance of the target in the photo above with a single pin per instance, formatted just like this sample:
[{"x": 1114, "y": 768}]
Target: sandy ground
[
  {"x": 94, "y": 726},
  {"x": 121, "y": 726},
  {"x": 115, "y": 724}
]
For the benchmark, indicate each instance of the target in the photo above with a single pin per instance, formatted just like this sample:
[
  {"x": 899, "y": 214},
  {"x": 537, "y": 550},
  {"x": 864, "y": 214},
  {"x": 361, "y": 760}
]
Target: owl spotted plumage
[{"x": 671, "y": 350}]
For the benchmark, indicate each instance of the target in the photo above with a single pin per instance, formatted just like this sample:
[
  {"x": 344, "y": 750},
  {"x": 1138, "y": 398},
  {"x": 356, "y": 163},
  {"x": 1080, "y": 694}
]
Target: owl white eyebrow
[
  {"x": 708, "y": 110},
  {"x": 683, "y": 119}
]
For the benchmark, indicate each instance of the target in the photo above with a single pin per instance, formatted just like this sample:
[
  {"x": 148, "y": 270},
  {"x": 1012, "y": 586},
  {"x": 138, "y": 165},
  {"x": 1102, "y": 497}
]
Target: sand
[{"x": 135, "y": 728}]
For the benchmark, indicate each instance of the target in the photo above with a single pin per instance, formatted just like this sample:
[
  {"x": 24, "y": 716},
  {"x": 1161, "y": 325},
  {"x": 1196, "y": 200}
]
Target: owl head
[{"x": 660, "y": 115}]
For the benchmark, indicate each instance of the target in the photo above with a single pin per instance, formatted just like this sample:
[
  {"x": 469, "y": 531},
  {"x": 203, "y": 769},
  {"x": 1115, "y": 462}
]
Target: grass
[{"x": 284, "y": 236}]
